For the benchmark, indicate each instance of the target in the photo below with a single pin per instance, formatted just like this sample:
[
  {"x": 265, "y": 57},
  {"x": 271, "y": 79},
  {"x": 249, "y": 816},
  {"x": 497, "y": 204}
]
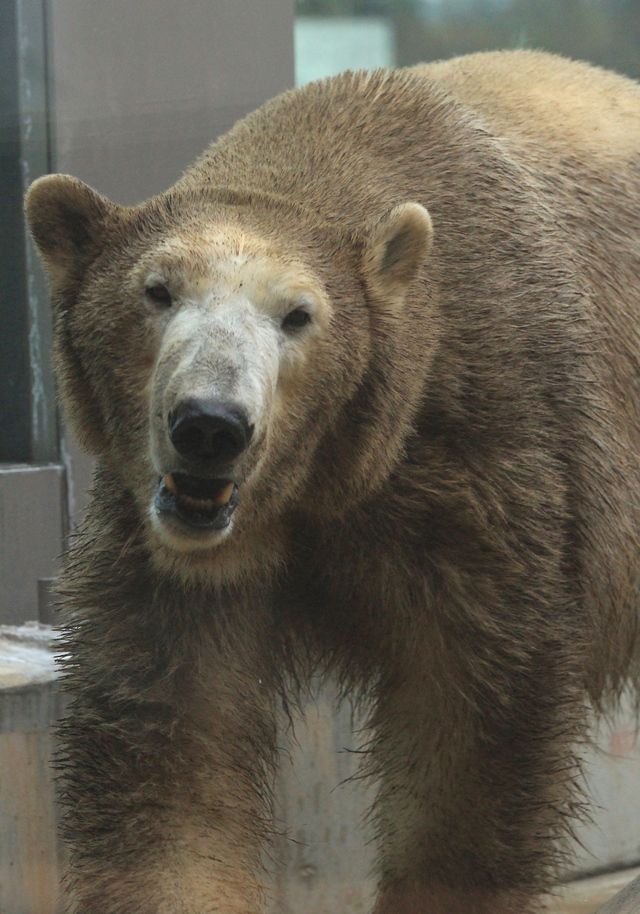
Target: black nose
[{"x": 209, "y": 430}]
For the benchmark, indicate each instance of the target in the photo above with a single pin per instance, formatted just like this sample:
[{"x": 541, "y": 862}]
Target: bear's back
[
  {"x": 561, "y": 105},
  {"x": 351, "y": 146}
]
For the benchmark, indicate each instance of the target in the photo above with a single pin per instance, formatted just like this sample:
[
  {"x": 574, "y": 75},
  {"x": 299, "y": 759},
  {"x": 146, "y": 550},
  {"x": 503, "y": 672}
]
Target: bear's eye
[
  {"x": 296, "y": 319},
  {"x": 159, "y": 295}
]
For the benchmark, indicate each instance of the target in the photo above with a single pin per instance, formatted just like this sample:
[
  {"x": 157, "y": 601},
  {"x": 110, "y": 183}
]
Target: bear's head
[{"x": 228, "y": 357}]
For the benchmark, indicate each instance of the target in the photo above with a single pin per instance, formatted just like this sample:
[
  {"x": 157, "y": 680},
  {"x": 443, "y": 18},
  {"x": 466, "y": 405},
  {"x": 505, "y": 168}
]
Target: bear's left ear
[
  {"x": 67, "y": 219},
  {"x": 394, "y": 250}
]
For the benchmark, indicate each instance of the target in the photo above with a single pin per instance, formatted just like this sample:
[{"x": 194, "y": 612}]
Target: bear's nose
[{"x": 209, "y": 430}]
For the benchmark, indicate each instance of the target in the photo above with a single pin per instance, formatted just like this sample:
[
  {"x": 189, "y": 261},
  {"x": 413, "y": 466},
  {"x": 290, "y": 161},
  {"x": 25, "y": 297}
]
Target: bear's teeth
[
  {"x": 170, "y": 483},
  {"x": 225, "y": 496},
  {"x": 204, "y": 504}
]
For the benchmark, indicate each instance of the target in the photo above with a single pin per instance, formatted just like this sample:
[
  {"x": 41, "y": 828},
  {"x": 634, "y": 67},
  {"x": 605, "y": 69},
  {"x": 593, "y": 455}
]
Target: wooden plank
[
  {"x": 586, "y": 896},
  {"x": 610, "y": 839},
  {"x": 29, "y": 705},
  {"x": 625, "y": 902},
  {"x": 29, "y": 860},
  {"x": 323, "y": 860}
]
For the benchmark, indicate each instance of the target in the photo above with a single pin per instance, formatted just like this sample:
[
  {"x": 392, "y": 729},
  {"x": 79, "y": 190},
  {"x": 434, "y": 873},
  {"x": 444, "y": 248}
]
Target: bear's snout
[{"x": 209, "y": 431}]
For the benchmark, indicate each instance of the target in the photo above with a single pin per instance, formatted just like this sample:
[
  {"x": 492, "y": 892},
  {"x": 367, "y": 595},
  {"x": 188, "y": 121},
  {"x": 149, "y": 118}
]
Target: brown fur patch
[{"x": 439, "y": 501}]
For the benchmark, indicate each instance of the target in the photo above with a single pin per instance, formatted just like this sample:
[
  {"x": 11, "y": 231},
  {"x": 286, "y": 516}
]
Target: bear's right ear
[
  {"x": 394, "y": 250},
  {"x": 66, "y": 218}
]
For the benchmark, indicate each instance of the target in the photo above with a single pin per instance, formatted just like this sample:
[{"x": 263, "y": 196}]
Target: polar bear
[{"x": 362, "y": 389}]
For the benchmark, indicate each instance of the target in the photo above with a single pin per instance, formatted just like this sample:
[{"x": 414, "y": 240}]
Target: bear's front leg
[
  {"x": 167, "y": 753},
  {"x": 477, "y": 781}
]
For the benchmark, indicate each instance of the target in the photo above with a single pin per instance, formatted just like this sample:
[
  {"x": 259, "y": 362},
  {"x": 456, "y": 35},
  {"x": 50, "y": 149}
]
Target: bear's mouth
[{"x": 200, "y": 503}]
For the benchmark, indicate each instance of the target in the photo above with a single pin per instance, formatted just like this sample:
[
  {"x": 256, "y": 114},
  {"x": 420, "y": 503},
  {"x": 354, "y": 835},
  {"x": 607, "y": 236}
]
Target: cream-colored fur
[{"x": 564, "y": 107}]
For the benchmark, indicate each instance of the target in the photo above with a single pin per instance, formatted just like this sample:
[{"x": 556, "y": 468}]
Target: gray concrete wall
[
  {"x": 140, "y": 89},
  {"x": 32, "y": 525}
]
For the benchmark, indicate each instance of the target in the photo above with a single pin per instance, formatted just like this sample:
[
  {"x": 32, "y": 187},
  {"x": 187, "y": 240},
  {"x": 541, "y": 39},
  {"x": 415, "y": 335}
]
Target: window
[{"x": 334, "y": 34}]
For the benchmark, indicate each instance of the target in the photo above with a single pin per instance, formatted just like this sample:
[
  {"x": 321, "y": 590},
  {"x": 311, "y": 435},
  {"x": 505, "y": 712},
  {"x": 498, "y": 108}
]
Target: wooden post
[
  {"x": 29, "y": 707},
  {"x": 625, "y": 902}
]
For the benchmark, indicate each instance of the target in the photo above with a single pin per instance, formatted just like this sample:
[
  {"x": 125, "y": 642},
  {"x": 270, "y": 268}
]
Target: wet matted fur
[{"x": 413, "y": 298}]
